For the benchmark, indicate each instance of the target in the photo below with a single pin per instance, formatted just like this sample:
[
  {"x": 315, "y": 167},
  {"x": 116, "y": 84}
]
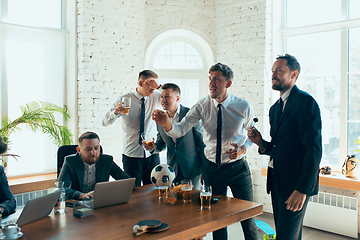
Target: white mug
[{"x": 10, "y": 230}]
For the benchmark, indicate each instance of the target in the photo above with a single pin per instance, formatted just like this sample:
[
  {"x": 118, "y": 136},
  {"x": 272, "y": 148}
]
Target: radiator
[
  {"x": 333, "y": 213},
  {"x": 22, "y": 198}
]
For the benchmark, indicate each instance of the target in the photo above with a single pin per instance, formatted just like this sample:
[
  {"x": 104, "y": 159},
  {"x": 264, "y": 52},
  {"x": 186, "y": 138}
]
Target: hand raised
[
  {"x": 152, "y": 83},
  {"x": 160, "y": 117},
  {"x": 119, "y": 108}
]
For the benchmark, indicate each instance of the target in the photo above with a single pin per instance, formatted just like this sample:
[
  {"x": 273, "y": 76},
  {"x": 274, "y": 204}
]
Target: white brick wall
[
  {"x": 242, "y": 44},
  {"x": 112, "y": 40}
]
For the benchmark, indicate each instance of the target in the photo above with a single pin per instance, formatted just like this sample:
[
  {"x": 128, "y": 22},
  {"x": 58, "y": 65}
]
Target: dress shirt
[
  {"x": 284, "y": 97},
  {"x": 175, "y": 119},
  {"x": 131, "y": 122},
  {"x": 237, "y": 117},
  {"x": 89, "y": 178}
]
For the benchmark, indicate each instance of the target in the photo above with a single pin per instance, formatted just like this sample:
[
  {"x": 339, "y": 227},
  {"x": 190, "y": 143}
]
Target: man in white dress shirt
[
  {"x": 137, "y": 162},
  {"x": 225, "y": 119}
]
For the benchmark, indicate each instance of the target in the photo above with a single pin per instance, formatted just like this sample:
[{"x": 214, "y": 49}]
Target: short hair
[
  {"x": 291, "y": 62},
  {"x": 147, "y": 74},
  {"x": 172, "y": 86},
  {"x": 224, "y": 69},
  {"x": 3, "y": 146},
  {"x": 88, "y": 135}
]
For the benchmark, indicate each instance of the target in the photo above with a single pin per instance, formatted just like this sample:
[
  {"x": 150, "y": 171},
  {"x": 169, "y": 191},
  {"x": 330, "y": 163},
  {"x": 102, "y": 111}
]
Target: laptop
[
  {"x": 113, "y": 192},
  {"x": 34, "y": 209}
]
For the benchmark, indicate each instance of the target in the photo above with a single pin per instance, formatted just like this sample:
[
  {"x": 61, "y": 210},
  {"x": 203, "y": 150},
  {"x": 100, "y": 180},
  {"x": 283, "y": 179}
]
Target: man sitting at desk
[
  {"x": 81, "y": 171},
  {"x": 7, "y": 201}
]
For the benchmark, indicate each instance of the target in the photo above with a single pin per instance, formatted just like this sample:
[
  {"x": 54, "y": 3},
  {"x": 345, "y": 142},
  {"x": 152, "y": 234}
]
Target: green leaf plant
[{"x": 39, "y": 116}]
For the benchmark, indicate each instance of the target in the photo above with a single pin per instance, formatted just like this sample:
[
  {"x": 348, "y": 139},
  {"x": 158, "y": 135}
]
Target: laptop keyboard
[{"x": 13, "y": 221}]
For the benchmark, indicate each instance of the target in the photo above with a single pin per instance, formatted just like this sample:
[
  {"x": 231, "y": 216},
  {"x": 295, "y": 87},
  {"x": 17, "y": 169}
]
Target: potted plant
[{"x": 39, "y": 116}]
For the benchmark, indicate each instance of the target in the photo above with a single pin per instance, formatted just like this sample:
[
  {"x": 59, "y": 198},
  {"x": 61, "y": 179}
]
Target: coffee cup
[{"x": 10, "y": 230}]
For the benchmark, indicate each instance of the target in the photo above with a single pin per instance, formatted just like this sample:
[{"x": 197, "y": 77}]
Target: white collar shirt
[
  {"x": 237, "y": 117},
  {"x": 175, "y": 119},
  {"x": 89, "y": 177},
  {"x": 131, "y": 122}
]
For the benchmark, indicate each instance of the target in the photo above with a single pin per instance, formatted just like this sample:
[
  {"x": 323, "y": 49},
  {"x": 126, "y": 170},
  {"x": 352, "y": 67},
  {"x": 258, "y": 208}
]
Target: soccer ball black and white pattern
[{"x": 162, "y": 175}]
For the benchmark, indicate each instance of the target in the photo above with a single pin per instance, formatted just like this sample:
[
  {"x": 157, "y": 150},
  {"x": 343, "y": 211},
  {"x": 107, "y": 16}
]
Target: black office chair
[{"x": 64, "y": 151}]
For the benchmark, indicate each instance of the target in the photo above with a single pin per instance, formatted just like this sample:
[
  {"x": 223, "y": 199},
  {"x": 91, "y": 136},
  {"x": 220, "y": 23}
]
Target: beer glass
[
  {"x": 127, "y": 104},
  {"x": 148, "y": 139},
  {"x": 170, "y": 197},
  {"x": 162, "y": 191},
  {"x": 205, "y": 196},
  {"x": 186, "y": 187}
]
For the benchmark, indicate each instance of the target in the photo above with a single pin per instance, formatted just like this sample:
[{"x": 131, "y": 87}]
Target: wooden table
[{"x": 186, "y": 221}]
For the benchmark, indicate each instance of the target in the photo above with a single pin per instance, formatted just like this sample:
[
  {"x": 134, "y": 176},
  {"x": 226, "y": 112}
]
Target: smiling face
[
  {"x": 218, "y": 85},
  {"x": 169, "y": 100},
  {"x": 89, "y": 149},
  {"x": 282, "y": 77}
]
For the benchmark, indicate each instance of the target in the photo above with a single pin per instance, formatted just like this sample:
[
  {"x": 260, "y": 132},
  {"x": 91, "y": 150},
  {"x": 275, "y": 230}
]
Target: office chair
[{"x": 64, "y": 151}]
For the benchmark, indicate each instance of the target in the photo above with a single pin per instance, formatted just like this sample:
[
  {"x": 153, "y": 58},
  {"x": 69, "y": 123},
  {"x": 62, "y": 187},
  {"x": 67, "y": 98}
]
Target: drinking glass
[
  {"x": 127, "y": 104},
  {"x": 186, "y": 188},
  {"x": 205, "y": 196}
]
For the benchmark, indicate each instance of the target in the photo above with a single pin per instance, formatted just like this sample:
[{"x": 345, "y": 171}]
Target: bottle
[{"x": 60, "y": 207}]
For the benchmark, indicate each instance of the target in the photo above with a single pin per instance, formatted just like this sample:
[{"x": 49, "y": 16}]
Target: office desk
[{"x": 186, "y": 221}]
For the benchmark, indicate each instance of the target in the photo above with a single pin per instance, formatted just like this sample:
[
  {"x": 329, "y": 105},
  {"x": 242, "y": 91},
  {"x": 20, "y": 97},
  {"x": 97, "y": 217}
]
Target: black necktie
[
  {"x": 218, "y": 136},
  {"x": 142, "y": 119},
  {"x": 279, "y": 110}
]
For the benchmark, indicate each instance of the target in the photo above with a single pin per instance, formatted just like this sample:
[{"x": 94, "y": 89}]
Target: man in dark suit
[
  {"x": 295, "y": 149},
  {"x": 81, "y": 171},
  {"x": 184, "y": 154},
  {"x": 7, "y": 201}
]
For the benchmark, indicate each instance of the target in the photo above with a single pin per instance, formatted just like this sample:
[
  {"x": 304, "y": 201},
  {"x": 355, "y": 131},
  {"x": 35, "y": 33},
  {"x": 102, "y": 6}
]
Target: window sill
[
  {"x": 336, "y": 180},
  {"x": 32, "y": 183},
  {"x": 45, "y": 181}
]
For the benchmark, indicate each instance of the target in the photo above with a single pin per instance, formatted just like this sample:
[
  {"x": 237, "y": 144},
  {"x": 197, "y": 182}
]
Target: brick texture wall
[{"x": 112, "y": 41}]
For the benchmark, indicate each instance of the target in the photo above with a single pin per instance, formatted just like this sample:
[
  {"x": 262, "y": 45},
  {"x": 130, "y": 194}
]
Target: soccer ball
[{"x": 162, "y": 175}]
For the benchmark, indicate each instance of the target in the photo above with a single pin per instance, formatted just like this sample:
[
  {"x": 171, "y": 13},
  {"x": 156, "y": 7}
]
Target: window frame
[
  {"x": 280, "y": 35},
  {"x": 189, "y": 37},
  {"x": 68, "y": 27}
]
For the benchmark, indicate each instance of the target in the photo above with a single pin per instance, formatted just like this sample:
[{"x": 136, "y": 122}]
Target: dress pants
[
  {"x": 288, "y": 224},
  {"x": 140, "y": 168},
  {"x": 238, "y": 177}
]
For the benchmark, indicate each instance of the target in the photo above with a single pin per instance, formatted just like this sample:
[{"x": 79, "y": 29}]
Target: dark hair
[
  {"x": 3, "y": 146},
  {"x": 147, "y": 73},
  {"x": 88, "y": 135},
  {"x": 172, "y": 86},
  {"x": 291, "y": 62},
  {"x": 226, "y": 70}
]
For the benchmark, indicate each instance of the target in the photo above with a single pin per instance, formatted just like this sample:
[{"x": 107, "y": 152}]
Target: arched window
[{"x": 182, "y": 57}]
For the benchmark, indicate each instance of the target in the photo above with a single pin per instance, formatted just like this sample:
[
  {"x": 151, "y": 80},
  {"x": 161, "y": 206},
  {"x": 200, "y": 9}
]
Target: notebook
[
  {"x": 113, "y": 192},
  {"x": 34, "y": 209}
]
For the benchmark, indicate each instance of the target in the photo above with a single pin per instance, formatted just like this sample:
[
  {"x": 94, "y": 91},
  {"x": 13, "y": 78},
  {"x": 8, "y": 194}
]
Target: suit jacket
[
  {"x": 188, "y": 151},
  {"x": 72, "y": 173},
  {"x": 295, "y": 146},
  {"x": 7, "y": 200}
]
